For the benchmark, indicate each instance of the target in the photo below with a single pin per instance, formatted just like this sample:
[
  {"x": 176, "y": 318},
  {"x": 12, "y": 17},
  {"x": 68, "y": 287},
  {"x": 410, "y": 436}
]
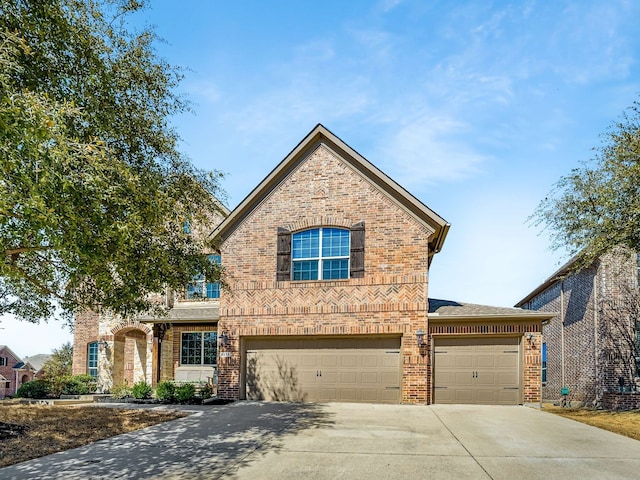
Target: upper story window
[
  {"x": 3, "y": 361},
  {"x": 324, "y": 253},
  {"x": 320, "y": 254},
  {"x": 92, "y": 359},
  {"x": 200, "y": 288}
]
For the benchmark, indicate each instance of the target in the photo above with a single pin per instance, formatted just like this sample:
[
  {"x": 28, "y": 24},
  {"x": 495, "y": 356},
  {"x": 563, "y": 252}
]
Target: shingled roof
[{"x": 453, "y": 309}]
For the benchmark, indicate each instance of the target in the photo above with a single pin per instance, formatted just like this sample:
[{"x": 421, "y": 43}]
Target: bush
[
  {"x": 120, "y": 391},
  {"x": 206, "y": 391},
  {"x": 185, "y": 393},
  {"x": 79, "y": 385},
  {"x": 166, "y": 392},
  {"x": 141, "y": 390},
  {"x": 33, "y": 389}
]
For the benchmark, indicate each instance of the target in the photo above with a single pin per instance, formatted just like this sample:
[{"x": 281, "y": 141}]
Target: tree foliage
[
  {"x": 597, "y": 206},
  {"x": 58, "y": 369},
  {"x": 93, "y": 188}
]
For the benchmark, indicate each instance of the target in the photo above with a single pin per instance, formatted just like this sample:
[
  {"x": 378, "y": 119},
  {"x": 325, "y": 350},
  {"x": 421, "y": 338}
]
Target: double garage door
[
  {"x": 323, "y": 370},
  {"x": 477, "y": 370}
]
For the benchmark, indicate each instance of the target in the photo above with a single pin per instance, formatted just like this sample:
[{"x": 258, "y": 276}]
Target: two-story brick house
[
  {"x": 587, "y": 347},
  {"x": 13, "y": 372},
  {"x": 327, "y": 264}
]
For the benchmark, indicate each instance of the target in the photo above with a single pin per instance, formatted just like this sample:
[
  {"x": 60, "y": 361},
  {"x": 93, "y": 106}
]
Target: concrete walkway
[{"x": 252, "y": 440}]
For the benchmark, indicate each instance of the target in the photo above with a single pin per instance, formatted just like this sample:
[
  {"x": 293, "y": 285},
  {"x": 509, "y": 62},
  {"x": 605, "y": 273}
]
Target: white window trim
[
  {"x": 201, "y": 350},
  {"x": 320, "y": 259}
]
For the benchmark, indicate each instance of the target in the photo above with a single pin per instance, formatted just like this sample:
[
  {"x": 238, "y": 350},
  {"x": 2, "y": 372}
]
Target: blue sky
[{"x": 476, "y": 107}]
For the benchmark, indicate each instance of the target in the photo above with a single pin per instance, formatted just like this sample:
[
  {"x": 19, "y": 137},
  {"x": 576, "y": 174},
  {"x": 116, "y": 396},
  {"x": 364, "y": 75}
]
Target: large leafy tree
[
  {"x": 93, "y": 189},
  {"x": 596, "y": 208}
]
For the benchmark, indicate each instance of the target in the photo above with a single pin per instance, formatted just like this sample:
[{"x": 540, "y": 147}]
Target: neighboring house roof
[
  {"x": 559, "y": 274},
  {"x": 37, "y": 361},
  {"x": 322, "y": 136},
  {"x": 452, "y": 310},
  {"x": 4, "y": 347}
]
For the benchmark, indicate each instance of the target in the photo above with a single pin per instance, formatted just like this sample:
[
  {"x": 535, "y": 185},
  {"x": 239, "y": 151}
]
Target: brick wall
[
  {"x": 621, "y": 401},
  {"x": 86, "y": 330},
  {"x": 7, "y": 372},
  {"x": 576, "y": 338},
  {"x": 390, "y": 299}
]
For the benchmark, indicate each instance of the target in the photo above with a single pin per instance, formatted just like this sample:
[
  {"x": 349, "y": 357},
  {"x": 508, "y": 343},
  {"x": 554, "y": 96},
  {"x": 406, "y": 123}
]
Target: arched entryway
[{"x": 132, "y": 356}]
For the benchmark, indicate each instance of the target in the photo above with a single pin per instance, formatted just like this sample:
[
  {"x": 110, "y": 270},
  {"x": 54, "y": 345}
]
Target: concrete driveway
[{"x": 252, "y": 440}]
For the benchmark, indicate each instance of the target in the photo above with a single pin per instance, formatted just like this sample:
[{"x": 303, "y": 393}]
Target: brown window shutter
[
  {"x": 284, "y": 255},
  {"x": 357, "y": 250}
]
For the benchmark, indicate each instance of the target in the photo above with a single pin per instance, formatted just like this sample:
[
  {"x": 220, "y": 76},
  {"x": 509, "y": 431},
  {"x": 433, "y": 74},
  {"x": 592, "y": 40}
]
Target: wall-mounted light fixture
[
  {"x": 420, "y": 338},
  {"x": 530, "y": 337},
  {"x": 224, "y": 339},
  {"x": 102, "y": 344}
]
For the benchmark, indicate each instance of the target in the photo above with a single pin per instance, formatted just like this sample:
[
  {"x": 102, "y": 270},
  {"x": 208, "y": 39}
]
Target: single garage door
[
  {"x": 477, "y": 370},
  {"x": 323, "y": 370}
]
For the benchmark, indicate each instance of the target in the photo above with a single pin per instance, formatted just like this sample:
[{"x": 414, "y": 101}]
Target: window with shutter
[
  {"x": 357, "y": 250},
  {"x": 284, "y": 255},
  {"x": 326, "y": 253}
]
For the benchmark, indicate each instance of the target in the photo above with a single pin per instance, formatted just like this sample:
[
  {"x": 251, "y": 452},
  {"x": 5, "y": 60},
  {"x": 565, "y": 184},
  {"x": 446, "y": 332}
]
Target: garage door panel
[
  {"x": 463, "y": 360},
  {"x": 370, "y": 361},
  {"x": 313, "y": 371},
  {"x": 508, "y": 361},
  {"x": 348, "y": 377},
  {"x": 463, "y": 378},
  {"x": 477, "y": 370},
  {"x": 486, "y": 378},
  {"x": 486, "y": 361},
  {"x": 462, "y": 395}
]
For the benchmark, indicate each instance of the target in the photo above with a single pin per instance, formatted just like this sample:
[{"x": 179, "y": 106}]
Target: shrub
[
  {"x": 79, "y": 385},
  {"x": 120, "y": 391},
  {"x": 166, "y": 391},
  {"x": 141, "y": 390},
  {"x": 206, "y": 391},
  {"x": 185, "y": 393},
  {"x": 33, "y": 389}
]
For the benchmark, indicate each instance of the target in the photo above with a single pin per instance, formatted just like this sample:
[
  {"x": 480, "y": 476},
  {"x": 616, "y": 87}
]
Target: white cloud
[{"x": 431, "y": 149}]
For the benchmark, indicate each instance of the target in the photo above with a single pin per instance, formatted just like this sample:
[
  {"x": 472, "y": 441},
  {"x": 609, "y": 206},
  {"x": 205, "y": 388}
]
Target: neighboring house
[
  {"x": 35, "y": 364},
  {"x": 13, "y": 372},
  {"x": 327, "y": 264},
  {"x": 589, "y": 346}
]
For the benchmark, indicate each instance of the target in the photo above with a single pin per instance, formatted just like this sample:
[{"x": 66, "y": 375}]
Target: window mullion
[
  {"x": 320, "y": 255},
  {"x": 202, "y": 348}
]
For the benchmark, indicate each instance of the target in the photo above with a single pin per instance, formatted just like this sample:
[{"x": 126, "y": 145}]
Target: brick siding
[
  {"x": 391, "y": 299},
  {"x": 576, "y": 338}
]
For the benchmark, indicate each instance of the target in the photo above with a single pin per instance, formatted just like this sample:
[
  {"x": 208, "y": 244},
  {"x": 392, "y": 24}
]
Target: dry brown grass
[
  {"x": 624, "y": 423},
  {"x": 32, "y": 431}
]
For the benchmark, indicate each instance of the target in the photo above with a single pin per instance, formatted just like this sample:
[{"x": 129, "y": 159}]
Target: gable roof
[
  {"x": 452, "y": 310},
  {"x": 322, "y": 136},
  {"x": 37, "y": 361},
  {"x": 11, "y": 352},
  {"x": 563, "y": 272}
]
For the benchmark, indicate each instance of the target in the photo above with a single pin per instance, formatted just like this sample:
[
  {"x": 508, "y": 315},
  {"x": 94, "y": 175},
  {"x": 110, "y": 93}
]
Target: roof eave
[
  {"x": 317, "y": 136},
  {"x": 537, "y": 316}
]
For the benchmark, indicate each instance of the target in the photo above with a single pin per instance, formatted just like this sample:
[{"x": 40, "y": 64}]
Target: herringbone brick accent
[{"x": 391, "y": 298}]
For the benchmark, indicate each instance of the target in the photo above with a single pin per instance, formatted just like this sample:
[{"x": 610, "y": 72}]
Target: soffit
[{"x": 322, "y": 136}]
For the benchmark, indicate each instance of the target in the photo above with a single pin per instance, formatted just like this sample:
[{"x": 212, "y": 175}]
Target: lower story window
[
  {"x": 92, "y": 359},
  {"x": 199, "y": 348},
  {"x": 544, "y": 363}
]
